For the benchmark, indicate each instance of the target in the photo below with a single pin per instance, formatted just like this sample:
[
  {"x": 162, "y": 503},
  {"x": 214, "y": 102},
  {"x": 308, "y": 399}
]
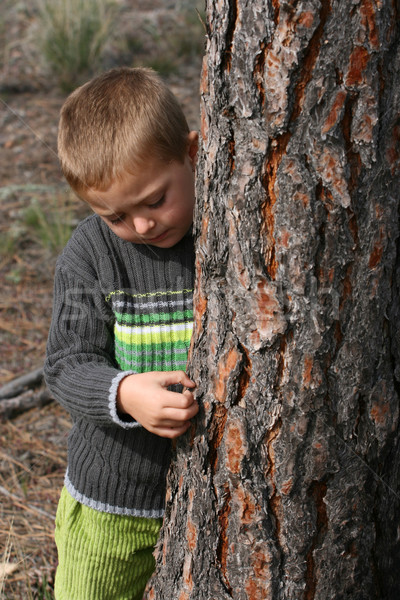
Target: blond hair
[{"x": 115, "y": 123}]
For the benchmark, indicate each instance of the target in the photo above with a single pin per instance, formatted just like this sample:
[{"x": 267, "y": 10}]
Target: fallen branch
[
  {"x": 30, "y": 399},
  {"x": 18, "y": 385}
]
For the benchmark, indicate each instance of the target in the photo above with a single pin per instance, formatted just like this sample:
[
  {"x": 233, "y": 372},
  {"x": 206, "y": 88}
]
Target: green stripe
[
  {"x": 146, "y": 348},
  {"x": 146, "y": 368},
  {"x": 178, "y": 315},
  {"x": 133, "y": 351},
  {"x": 148, "y": 358}
]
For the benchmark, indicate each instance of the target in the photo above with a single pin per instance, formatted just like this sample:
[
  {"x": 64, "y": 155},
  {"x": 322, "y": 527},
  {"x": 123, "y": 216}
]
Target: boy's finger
[
  {"x": 173, "y": 377},
  {"x": 177, "y": 400},
  {"x": 176, "y": 416},
  {"x": 172, "y": 432}
]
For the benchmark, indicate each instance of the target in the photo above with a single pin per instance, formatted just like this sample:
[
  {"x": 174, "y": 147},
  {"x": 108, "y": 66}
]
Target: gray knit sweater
[{"x": 119, "y": 308}]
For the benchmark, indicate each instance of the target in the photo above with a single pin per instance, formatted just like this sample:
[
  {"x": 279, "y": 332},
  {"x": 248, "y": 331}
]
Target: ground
[{"x": 37, "y": 215}]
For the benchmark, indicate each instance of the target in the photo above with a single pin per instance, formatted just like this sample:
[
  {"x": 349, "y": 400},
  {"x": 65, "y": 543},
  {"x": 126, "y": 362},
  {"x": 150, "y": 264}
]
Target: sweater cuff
[{"x": 112, "y": 402}]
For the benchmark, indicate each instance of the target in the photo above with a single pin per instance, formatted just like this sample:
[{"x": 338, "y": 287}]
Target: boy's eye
[
  {"x": 158, "y": 203},
  {"x": 116, "y": 220}
]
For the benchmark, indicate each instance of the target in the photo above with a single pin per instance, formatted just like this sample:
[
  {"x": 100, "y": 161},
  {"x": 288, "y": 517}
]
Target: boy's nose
[{"x": 142, "y": 226}]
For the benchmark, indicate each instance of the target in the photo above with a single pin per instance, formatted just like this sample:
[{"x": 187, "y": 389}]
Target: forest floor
[{"x": 37, "y": 215}]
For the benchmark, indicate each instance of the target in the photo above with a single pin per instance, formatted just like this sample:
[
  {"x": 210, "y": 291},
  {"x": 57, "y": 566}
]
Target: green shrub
[
  {"x": 73, "y": 34},
  {"x": 50, "y": 222}
]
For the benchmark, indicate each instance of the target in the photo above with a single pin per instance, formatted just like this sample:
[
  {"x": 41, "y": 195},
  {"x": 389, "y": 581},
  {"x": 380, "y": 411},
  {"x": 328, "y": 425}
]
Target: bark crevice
[
  {"x": 317, "y": 491},
  {"x": 229, "y": 35}
]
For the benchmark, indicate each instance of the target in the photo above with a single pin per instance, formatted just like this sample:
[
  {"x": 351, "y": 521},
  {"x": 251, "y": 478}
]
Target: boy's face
[{"x": 153, "y": 206}]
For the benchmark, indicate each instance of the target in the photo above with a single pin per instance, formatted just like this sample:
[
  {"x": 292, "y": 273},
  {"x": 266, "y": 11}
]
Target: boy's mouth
[{"x": 158, "y": 238}]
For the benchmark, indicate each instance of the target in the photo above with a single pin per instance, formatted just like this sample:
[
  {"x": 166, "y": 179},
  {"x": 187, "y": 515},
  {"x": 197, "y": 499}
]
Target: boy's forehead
[{"x": 130, "y": 188}]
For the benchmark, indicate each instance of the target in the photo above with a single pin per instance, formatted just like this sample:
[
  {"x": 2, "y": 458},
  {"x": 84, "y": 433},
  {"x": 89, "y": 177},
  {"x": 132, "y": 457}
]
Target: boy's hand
[{"x": 144, "y": 396}]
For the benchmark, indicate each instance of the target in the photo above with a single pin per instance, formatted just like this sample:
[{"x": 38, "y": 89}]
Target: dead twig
[
  {"x": 18, "y": 385},
  {"x": 21, "y": 502},
  {"x": 30, "y": 399}
]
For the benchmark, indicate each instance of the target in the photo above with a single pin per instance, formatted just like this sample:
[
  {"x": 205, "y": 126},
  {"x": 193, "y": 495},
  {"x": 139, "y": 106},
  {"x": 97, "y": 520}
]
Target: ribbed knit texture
[
  {"x": 119, "y": 308},
  {"x": 147, "y": 339},
  {"x": 101, "y": 555}
]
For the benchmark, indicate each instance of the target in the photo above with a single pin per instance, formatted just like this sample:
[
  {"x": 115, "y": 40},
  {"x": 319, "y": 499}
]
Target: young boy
[{"x": 121, "y": 327}]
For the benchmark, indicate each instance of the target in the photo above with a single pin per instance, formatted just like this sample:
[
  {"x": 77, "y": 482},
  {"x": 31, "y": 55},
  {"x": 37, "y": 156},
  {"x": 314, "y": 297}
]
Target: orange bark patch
[
  {"x": 259, "y": 72},
  {"x": 393, "y": 152},
  {"x": 225, "y": 368},
  {"x": 301, "y": 197},
  {"x": 278, "y": 149},
  {"x": 260, "y": 565},
  {"x": 287, "y": 486},
  {"x": 310, "y": 58},
  {"x": 187, "y": 574},
  {"x": 276, "y": 5},
  {"x": 255, "y": 339},
  {"x": 285, "y": 235},
  {"x": 200, "y": 303},
  {"x": 247, "y": 506},
  {"x": 204, "y": 229},
  {"x": 332, "y": 174},
  {"x": 335, "y": 111},
  {"x": 379, "y": 412},
  {"x": 358, "y": 61},
  {"x": 223, "y": 542},
  {"x": 188, "y": 579},
  {"x": 275, "y": 502},
  {"x": 368, "y": 19},
  {"x": 217, "y": 428},
  {"x": 307, "y": 372},
  {"x": 191, "y": 535},
  {"x": 268, "y": 312},
  {"x": 257, "y": 586},
  {"x": 347, "y": 286},
  {"x": 306, "y": 19},
  {"x": 376, "y": 254},
  {"x": 203, "y": 124},
  {"x": 204, "y": 76},
  {"x": 235, "y": 448},
  {"x": 266, "y": 300},
  {"x": 269, "y": 438},
  {"x": 256, "y": 590}
]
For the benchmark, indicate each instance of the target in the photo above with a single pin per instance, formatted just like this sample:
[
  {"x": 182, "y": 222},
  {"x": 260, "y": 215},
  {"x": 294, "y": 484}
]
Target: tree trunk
[{"x": 288, "y": 485}]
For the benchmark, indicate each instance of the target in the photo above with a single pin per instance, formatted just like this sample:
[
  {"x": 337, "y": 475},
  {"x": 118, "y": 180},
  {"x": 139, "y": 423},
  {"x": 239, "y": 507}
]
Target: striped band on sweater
[{"x": 152, "y": 331}]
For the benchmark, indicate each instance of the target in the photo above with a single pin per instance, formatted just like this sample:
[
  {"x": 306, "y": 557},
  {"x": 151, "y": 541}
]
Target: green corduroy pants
[{"x": 102, "y": 556}]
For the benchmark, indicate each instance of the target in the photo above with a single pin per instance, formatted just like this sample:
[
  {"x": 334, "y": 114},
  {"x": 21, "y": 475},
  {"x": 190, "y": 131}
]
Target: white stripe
[{"x": 135, "y": 330}]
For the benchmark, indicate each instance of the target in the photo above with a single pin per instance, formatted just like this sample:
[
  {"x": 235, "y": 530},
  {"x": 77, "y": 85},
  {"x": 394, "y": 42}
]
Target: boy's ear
[{"x": 193, "y": 146}]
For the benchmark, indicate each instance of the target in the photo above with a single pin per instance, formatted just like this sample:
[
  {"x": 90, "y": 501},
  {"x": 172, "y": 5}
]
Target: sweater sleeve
[{"x": 80, "y": 369}]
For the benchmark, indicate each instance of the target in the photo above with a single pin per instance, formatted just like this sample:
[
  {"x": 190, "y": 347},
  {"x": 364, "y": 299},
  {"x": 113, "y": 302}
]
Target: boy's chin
[{"x": 168, "y": 240}]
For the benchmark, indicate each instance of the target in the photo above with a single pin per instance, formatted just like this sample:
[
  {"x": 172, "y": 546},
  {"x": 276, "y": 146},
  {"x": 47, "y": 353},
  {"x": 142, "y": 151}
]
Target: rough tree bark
[{"x": 288, "y": 485}]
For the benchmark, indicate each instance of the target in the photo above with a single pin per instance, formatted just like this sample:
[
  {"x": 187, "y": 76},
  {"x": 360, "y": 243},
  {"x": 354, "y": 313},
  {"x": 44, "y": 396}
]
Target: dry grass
[{"x": 32, "y": 465}]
